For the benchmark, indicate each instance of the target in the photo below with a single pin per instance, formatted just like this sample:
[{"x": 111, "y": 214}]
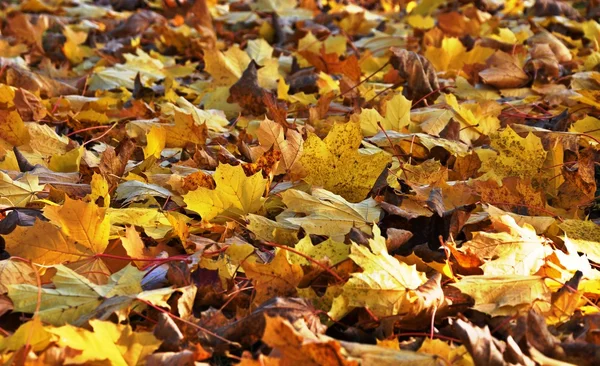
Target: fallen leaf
[
  {"x": 504, "y": 295},
  {"x": 336, "y": 164},
  {"x": 325, "y": 213},
  {"x": 76, "y": 230},
  {"x": 386, "y": 286},
  {"x": 234, "y": 193},
  {"x": 74, "y": 296},
  {"x": 276, "y": 278}
]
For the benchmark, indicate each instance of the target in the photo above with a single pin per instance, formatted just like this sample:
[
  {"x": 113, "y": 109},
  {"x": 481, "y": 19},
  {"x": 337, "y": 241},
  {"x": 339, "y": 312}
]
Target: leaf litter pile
[{"x": 278, "y": 182}]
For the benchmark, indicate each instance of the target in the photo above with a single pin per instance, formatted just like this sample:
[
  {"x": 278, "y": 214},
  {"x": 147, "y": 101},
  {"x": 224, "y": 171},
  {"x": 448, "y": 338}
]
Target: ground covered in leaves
[{"x": 277, "y": 182}]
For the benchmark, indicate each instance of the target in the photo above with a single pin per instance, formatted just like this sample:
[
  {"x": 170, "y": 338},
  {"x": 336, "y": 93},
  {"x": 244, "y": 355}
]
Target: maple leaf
[
  {"x": 74, "y": 296},
  {"x": 473, "y": 120},
  {"x": 234, "y": 193},
  {"x": 583, "y": 237},
  {"x": 228, "y": 264},
  {"x": 227, "y": 68},
  {"x": 73, "y": 48},
  {"x": 115, "y": 343},
  {"x": 155, "y": 223},
  {"x": 290, "y": 143},
  {"x": 269, "y": 230},
  {"x": 589, "y": 126},
  {"x": 185, "y": 130},
  {"x": 67, "y": 162},
  {"x": 276, "y": 278},
  {"x": 296, "y": 344},
  {"x": 331, "y": 250},
  {"x": 504, "y": 295},
  {"x": 155, "y": 142},
  {"x": 397, "y": 116},
  {"x": 386, "y": 286},
  {"x": 13, "y": 272},
  {"x": 134, "y": 246},
  {"x": 328, "y": 214},
  {"x": 33, "y": 333},
  {"x": 513, "y": 155},
  {"x": 76, "y": 229},
  {"x": 336, "y": 164},
  {"x": 19, "y": 192},
  {"x": 513, "y": 250},
  {"x": 13, "y": 130},
  {"x": 452, "y": 55}
]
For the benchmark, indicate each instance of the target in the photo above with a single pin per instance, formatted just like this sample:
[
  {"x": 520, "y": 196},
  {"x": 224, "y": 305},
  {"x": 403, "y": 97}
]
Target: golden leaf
[
  {"x": 337, "y": 164},
  {"x": 234, "y": 193}
]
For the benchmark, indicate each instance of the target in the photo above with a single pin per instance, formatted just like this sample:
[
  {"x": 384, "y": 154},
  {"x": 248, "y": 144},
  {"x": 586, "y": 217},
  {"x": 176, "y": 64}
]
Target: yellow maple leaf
[
  {"x": 134, "y": 246},
  {"x": 116, "y": 343},
  {"x": 155, "y": 142},
  {"x": 513, "y": 155},
  {"x": 396, "y": 116},
  {"x": 77, "y": 229},
  {"x": 155, "y": 224},
  {"x": 234, "y": 193},
  {"x": 259, "y": 50},
  {"x": 73, "y": 295},
  {"x": 583, "y": 236},
  {"x": 504, "y": 295},
  {"x": 300, "y": 97},
  {"x": 474, "y": 120},
  {"x": 420, "y": 22},
  {"x": 269, "y": 230},
  {"x": 325, "y": 213},
  {"x": 19, "y": 192},
  {"x": 336, "y": 164},
  {"x": 100, "y": 191},
  {"x": 230, "y": 261},
  {"x": 386, "y": 286},
  {"x": 13, "y": 272},
  {"x": 12, "y": 128},
  {"x": 452, "y": 56},
  {"x": 227, "y": 67},
  {"x": 332, "y": 44},
  {"x": 73, "y": 47},
  {"x": 67, "y": 162},
  {"x": 511, "y": 250},
  {"x": 83, "y": 222},
  {"x": 276, "y": 278},
  {"x": 92, "y": 116},
  {"x": 589, "y": 126},
  {"x": 457, "y": 356},
  {"x": 45, "y": 141},
  {"x": 184, "y": 130},
  {"x": 331, "y": 250},
  {"x": 32, "y": 333}
]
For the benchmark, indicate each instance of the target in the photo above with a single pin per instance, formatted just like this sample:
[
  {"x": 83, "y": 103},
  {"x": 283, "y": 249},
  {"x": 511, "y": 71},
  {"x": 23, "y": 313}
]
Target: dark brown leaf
[{"x": 421, "y": 78}]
